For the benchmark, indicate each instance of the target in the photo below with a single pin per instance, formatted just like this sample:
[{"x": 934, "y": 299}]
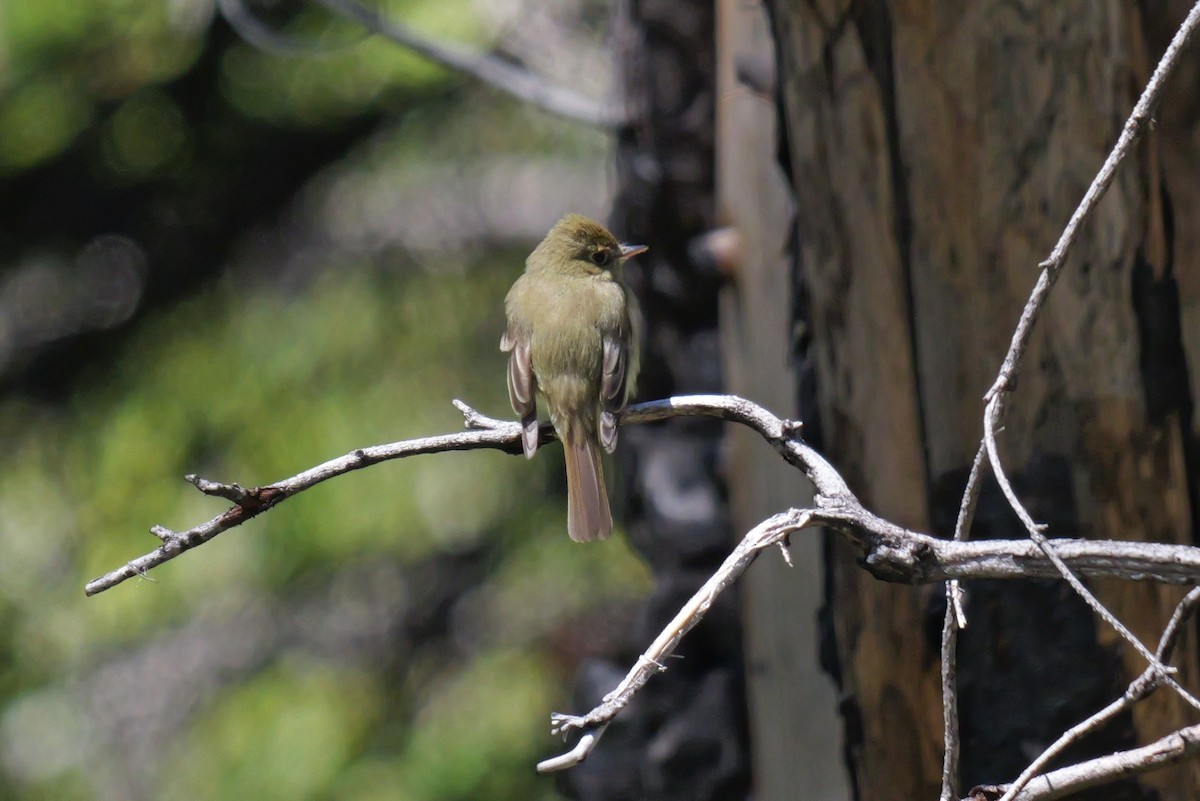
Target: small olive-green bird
[{"x": 573, "y": 335}]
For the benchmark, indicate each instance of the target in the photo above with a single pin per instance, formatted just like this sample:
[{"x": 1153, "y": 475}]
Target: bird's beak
[{"x": 628, "y": 251}]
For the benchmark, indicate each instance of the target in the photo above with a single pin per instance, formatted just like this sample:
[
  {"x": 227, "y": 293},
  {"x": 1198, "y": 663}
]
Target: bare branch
[
  {"x": 1173, "y": 748},
  {"x": 776, "y": 530},
  {"x": 950, "y": 732},
  {"x": 887, "y": 551},
  {"x": 1163, "y": 673},
  {"x": 1138, "y": 689},
  {"x": 996, "y": 396},
  {"x": 263, "y": 36},
  {"x": 498, "y": 73},
  {"x": 1138, "y": 120},
  {"x": 253, "y": 501},
  {"x": 771, "y": 531},
  {"x": 956, "y": 620},
  {"x": 576, "y": 755}
]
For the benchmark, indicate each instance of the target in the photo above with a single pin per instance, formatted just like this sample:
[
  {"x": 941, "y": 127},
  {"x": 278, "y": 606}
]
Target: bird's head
[{"x": 578, "y": 245}]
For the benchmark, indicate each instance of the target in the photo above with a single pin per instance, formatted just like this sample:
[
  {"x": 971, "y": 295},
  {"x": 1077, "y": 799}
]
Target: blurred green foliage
[
  {"x": 66, "y": 65},
  {"x": 399, "y": 632},
  {"x": 63, "y": 61},
  {"x": 255, "y": 386}
]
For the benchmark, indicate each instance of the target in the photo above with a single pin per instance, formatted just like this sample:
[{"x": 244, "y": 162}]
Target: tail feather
[{"x": 588, "y": 514}]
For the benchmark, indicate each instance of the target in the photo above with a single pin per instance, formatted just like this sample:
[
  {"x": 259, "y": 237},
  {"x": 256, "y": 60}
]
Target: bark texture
[{"x": 935, "y": 151}]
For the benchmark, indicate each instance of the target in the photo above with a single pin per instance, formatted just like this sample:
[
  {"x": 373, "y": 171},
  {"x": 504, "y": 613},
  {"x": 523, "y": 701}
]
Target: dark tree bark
[{"x": 935, "y": 151}]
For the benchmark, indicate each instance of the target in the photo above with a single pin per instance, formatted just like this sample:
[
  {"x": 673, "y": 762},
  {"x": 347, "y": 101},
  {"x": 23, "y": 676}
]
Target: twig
[
  {"x": 770, "y": 532},
  {"x": 253, "y": 501},
  {"x": 1138, "y": 689},
  {"x": 1173, "y": 748},
  {"x": 888, "y": 551},
  {"x": 950, "y": 735},
  {"x": 1164, "y": 673},
  {"x": 576, "y": 755},
  {"x": 1137, "y": 122},
  {"x": 962, "y": 530},
  {"x": 996, "y": 395},
  {"x": 498, "y": 73},
  {"x": 956, "y": 620},
  {"x": 506, "y": 76}
]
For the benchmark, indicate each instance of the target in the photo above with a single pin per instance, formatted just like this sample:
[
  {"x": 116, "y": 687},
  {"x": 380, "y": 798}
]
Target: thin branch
[
  {"x": 1169, "y": 750},
  {"x": 911, "y": 563},
  {"x": 498, "y": 73},
  {"x": 505, "y": 76},
  {"x": 775, "y": 530},
  {"x": 1138, "y": 689},
  {"x": 962, "y": 530},
  {"x": 1035, "y": 534},
  {"x": 263, "y": 36},
  {"x": 1000, "y": 389},
  {"x": 576, "y": 755},
  {"x": 256, "y": 500},
  {"x": 771, "y": 531},
  {"x": 1138, "y": 120},
  {"x": 889, "y": 552},
  {"x": 1051, "y": 267},
  {"x": 950, "y": 733},
  {"x": 956, "y": 620}
]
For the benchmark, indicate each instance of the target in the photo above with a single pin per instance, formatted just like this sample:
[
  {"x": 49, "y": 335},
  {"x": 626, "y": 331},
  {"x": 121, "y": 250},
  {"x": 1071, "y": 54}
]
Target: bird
[{"x": 573, "y": 335}]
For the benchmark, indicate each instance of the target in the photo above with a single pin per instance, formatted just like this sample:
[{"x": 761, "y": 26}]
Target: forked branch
[
  {"x": 888, "y": 551},
  {"x": 1140, "y": 118}
]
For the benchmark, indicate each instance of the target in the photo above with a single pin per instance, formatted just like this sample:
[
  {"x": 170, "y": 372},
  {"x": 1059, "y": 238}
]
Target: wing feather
[
  {"x": 612, "y": 388},
  {"x": 522, "y": 388}
]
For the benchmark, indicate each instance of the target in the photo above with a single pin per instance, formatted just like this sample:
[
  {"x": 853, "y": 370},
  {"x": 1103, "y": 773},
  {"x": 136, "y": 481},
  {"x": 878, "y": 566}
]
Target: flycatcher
[{"x": 573, "y": 337}]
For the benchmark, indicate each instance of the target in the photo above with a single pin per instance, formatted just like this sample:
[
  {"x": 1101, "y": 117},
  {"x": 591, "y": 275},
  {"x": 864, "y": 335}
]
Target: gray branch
[
  {"x": 509, "y": 78},
  {"x": 1139, "y": 688},
  {"x": 1169, "y": 750},
  {"x": 889, "y": 552},
  {"x": 498, "y": 73}
]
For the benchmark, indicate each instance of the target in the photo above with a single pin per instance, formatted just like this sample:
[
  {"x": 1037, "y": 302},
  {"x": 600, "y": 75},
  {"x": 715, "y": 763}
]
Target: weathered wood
[
  {"x": 937, "y": 149},
  {"x": 852, "y": 236},
  {"x": 795, "y": 732}
]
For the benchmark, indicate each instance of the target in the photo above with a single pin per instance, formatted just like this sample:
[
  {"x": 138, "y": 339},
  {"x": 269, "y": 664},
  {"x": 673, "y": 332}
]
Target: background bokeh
[{"x": 236, "y": 261}]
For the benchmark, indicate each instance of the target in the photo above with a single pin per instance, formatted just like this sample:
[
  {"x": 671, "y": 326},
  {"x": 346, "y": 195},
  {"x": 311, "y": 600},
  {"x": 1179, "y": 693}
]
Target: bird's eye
[{"x": 599, "y": 257}]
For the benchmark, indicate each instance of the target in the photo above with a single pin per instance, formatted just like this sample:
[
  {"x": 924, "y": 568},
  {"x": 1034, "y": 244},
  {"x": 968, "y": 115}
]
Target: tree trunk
[{"x": 935, "y": 152}]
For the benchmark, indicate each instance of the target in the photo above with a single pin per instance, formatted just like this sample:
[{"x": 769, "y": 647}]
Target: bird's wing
[
  {"x": 612, "y": 387},
  {"x": 522, "y": 388}
]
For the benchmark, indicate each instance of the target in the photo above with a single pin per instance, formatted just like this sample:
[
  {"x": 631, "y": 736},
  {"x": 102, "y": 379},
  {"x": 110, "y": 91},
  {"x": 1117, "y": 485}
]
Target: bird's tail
[{"x": 588, "y": 515}]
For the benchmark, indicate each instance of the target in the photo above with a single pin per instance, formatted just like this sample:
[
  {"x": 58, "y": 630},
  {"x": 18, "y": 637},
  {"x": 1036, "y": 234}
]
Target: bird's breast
[{"x": 567, "y": 320}]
